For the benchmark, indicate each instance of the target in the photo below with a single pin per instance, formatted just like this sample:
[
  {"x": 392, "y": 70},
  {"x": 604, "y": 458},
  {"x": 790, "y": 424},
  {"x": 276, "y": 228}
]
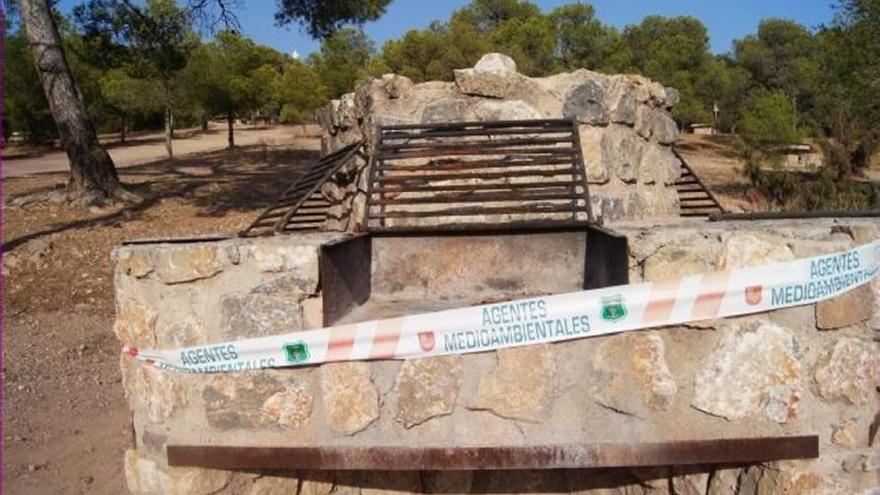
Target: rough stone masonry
[
  {"x": 805, "y": 370},
  {"x": 626, "y": 131}
]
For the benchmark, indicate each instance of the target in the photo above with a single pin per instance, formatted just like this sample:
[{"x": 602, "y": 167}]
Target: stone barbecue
[
  {"x": 778, "y": 402},
  {"x": 626, "y": 132}
]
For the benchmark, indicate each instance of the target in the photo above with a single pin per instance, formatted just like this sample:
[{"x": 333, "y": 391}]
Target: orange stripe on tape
[
  {"x": 662, "y": 300},
  {"x": 386, "y": 338},
  {"x": 712, "y": 290},
  {"x": 341, "y": 343}
]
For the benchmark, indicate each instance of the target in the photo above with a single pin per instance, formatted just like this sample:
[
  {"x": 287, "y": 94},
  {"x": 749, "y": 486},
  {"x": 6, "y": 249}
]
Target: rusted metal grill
[
  {"x": 695, "y": 199},
  {"x": 476, "y": 175},
  {"x": 301, "y": 207},
  {"x": 587, "y": 455}
]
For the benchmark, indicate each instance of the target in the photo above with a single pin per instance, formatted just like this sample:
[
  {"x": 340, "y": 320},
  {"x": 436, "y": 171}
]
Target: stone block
[
  {"x": 642, "y": 124},
  {"x": 746, "y": 250},
  {"x": 850, "y": 308},
  {"x": 621, "y": 102},
  {"x": 135, "y": 324},
  {"x": 351, "y": 400},
  {"x": 663, "y": 128},
  {"x": 427, "y": 388},
  {"x": 232, "y": 252},
  {"x": 493, "y": 84},
  {"x": 274, "y": 485},
  {"x": 751, "y": 373},
  {"x": 487, "y": 110},
  {"x": 291, "y": 284},
  {"x": 724, "y": 482},
  {"x": 655, "y": 124},
  {"x": 147, "y": 477},
  {"x": 844, "y": 434},
  {"x": 586, "y": 104},
  {"x": 448, "y": 110},
  {"x": 257, "y": 315},
  {"x": 274, "y": 257},
  {"x": 396, "y": 86},
  {"x": 788, "y": 478},
  {"x": 134, "y": 262},
  {"x": 257, "y": 399},
  {"x": 630, "y": 374},
  {"x": 598, "y": 171},
  {"x": 690, "y": 484},
  {"x": 651, "y": 201},
  {"x": 183, "y": 333},
  {"x": 316, "y": 483},
  {"x": 673, "y": 261},
  {"x": 290, "y": 407},
  {"x": 522, "y": 386},
  {"x": 622, "y": 151},
  {"x": 863, "y": 234},
  {"x": 496, "y": 62},
  {"x": 160, "y": 392},
  {"x": 848, "y": 371},
  {"x": 659, "y": 165},
  {"x": 187, "y": 263}
]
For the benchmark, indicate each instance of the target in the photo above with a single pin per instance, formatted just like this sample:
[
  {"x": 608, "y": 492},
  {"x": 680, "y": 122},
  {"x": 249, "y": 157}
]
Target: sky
[{"x": 726, "y": 20}]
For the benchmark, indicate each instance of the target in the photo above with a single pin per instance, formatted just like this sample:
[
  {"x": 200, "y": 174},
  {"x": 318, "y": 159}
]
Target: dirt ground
[
  {"x": 147, "y": 147},
  {"x": 65, "y": 420}
]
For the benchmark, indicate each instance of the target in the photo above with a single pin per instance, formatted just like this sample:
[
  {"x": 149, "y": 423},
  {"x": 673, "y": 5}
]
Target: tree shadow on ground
[
  {"x": 241, "y": 180},
  {"x": 109, "y": 143}
]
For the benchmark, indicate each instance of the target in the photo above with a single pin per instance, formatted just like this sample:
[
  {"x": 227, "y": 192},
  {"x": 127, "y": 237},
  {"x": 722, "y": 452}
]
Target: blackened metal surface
[
  {"x": 176, "y": 240},
  {"x": 781, "y": 215},
  {"x": 463, "y": 176},
  {"x": 345, "y": 276},
  {"x": 301, "y": 207},
  {"x": 607, "y": 262},
  {"x": 466, "y": 229},
  {"x": 598, "y": 455}
]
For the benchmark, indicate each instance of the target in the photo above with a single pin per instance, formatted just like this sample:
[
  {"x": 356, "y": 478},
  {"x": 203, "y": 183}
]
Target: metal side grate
[
  {"x": 694, "y": 197},
  {"x": 475, "y": 175},
  {"x": 301, "y": 207}
]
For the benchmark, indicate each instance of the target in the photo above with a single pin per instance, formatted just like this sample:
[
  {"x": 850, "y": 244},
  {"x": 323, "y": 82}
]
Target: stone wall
[
  {"x": 625, "y": 128},
  {"x": 805, "y": 370}
]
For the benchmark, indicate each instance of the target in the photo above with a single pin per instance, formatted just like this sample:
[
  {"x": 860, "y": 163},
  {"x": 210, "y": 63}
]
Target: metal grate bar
[
  {"x": 693, "y": 195},
  {"x": 301, "y": 198},
  {"x": 583, "y": 455},
  {"x": 434, "y": 174}
]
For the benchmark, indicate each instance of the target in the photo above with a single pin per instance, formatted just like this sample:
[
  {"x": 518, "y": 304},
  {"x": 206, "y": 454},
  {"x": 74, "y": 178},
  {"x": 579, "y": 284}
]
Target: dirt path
[
  {"x": 151, "y": 147},
  {"x": 66, "y": 422}
]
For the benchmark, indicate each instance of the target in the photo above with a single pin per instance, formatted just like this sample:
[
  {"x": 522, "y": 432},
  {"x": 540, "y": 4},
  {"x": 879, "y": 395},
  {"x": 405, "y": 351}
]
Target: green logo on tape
[
  {"x": 613, "y": 308},
  {"x": 297, "y": 352}
]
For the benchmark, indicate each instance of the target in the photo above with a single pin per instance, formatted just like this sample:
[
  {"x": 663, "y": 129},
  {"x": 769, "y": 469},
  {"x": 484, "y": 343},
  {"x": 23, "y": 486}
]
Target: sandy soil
[
  {"x": 147, "y": 147},
  {"x": 65, "y": 421}
]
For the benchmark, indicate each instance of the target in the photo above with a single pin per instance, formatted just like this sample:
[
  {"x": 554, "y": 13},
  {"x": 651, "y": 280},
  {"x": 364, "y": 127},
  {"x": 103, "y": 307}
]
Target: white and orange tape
[{"x": 536, "y": 320}]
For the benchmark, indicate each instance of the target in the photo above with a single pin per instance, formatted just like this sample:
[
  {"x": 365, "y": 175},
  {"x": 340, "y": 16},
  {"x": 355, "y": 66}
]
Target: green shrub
[{"x": 769, "y": 120}]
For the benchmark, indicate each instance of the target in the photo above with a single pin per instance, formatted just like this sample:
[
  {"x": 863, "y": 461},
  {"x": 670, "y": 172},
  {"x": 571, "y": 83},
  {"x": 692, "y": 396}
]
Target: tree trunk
[
  {"x": 91, "y": 168},
  {"x": 122, "y": 134},
  {"x": 204, "y": 123},
  {"x": 169, "y": 134},
  {"x": 230, "y": 121}
]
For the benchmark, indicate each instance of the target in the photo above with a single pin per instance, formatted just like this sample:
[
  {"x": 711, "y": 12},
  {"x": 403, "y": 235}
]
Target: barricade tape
[{"x": 552, "y": 318}]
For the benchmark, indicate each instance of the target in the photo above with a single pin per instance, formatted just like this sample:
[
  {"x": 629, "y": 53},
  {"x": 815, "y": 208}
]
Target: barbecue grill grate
[{"x": 477, "y": 174}]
